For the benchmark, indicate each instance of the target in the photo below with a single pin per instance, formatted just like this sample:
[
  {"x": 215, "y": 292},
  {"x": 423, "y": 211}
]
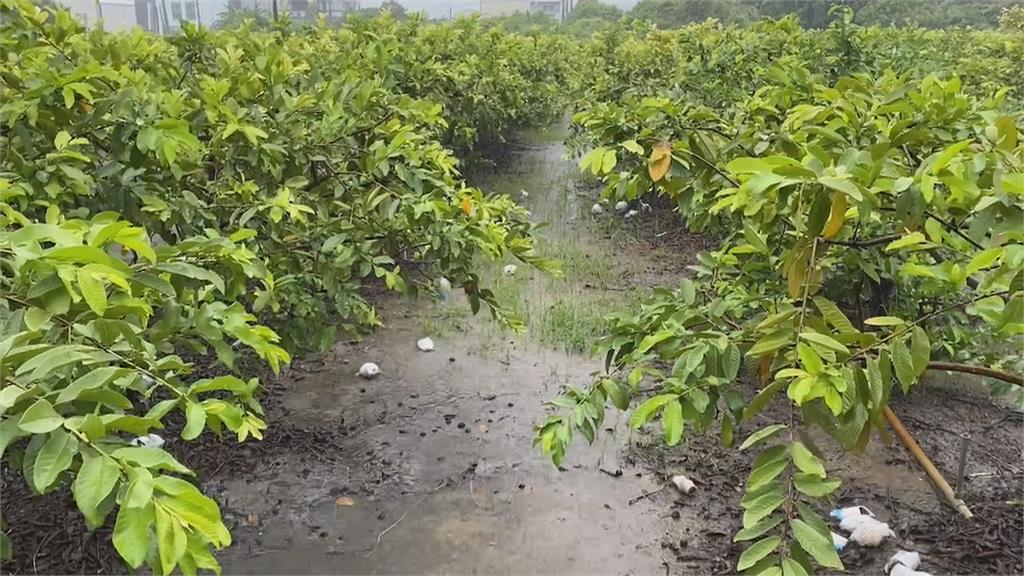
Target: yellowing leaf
[
  {"x": 660, "y": 161},
  {"x": 764, "y": 369},
  {"x": 836, "y": 216}
]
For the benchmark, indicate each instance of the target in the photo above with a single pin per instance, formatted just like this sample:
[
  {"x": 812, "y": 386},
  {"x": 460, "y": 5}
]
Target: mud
[{"x": 429, "y": 467}]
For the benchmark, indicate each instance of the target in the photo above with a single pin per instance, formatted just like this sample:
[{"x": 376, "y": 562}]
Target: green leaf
[
  {"x": 227, "y": 383},
  {"x": 758, "y": 529},
  {"x": 757, "y": 551},
  {"x": 150, "y": 458},
  {"x": 843, "y": 185},
  {"x": 920, "y": 350},
  {"x": 672, "y": 422},
  {"x": 813, "y": 486},
  {"x": 731, "y": 362},
  {"x": 903, "y": 364},
  {"x": 884, "y": 321},
  {"x": 633, "y": 147},
  {"x": 826, "y": 341},
  {"x": 171, "y": 540},
  {"x": 772, "y": 342},
  {"x": 818, "y": 214},
  {"x": 94, "y": 379},
  {"x": 805, "y": 460},
  {"x": 40, "y": 418},
  {"x": 615, "y": 393},
  {"x": 834, "y": 316},
  {"x": 93, "y": 290},
  {"x": 608, "y": 161},
  {"x": 700, "y": 399},
  {"x": 192, "y": 271},
  {"x": 809, "y": 359},
  {"x": 94, "y": 482},
  {"x": 9, "y": 432},
  {"x": 874, "y": 378},
  {"x": 763, "y": 397},
  {"x": 651, "y": 340},
  {"x": 762, "y": 507},
  {"x": 36, "y": 317},
  {"x": 820, "y": 548},
  {"x": 131, "y": 534},
  {"x": 140, "y": 488},
  {"x": 765, "y": 472},
  {"x": 92, "y": 427},
  {"x": 984, "y": 259},
  {"x": 912, "y": 239},
  {"x": 791, "y": 567},
  {"x": 48, "y": 361},
  {"x": 54, "y": 457},
  {"x": 198, "y": 511},
  {"x": 762, "y": 434},
  {"x": 154, "y": 282},
  {"x": 85, "y": 255},
  {"x": 195, "y": 420},
  {"x": 648, "y": 409}
]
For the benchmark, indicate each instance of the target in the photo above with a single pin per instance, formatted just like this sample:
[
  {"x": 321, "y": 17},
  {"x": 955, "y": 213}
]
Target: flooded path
[
  {"x": 435, "y": 472},
  {"x": 430, "y": 468}
]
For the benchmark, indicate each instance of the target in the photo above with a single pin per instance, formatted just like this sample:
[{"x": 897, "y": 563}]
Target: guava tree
[
  {"x": 869, "y": 230},
  {"x": 202, "y": 196}
]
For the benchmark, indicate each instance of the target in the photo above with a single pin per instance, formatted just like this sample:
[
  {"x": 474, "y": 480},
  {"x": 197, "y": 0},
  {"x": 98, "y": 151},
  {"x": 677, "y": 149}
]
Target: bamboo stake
[{"x": 926, "y": 463}]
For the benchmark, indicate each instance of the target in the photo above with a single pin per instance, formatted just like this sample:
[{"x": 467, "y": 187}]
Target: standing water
[{"x": 429, "y": 468}]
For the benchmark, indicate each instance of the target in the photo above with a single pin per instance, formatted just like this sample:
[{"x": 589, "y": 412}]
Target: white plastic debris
[
  {"x": 621, "y": 206},
  {"x": 839, "y": 542},
  {"x": 596, "y": 209},
  {"x": 509, "y": 270},
  {"x": 871, "y": 534},
  {"x": 684, "y": 484},
  {"x": 901, "y": 570},
  {"x": 910, "y": 560},
  {"x": 851, "y": 523},
  {"x": 841, "y": 513},
  {"x": 524, "y": 194},
  {"x": 149, "y": 441},
  {"x": 444, "y": 289},
  {"x": 368, "y": 370},
  {"x": 630, "y": 214},
  {"x": 425, "y": 345}
]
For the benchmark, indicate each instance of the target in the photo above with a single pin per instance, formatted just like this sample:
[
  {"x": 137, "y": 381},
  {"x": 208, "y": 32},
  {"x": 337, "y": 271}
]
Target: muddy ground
[{"x": 429, "y": 468}]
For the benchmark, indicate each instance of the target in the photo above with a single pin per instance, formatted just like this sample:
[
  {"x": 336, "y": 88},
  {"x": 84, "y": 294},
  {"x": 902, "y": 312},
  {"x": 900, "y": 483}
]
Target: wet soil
[{"x": 429, "y": 467}]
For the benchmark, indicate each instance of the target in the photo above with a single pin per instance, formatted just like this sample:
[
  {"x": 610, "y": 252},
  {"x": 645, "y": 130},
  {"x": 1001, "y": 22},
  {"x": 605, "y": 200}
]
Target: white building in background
[
  {"x": 116, "y": 14},
  {"x": 161, "y": 16},
  {"x": 166, "y": 16},
  {"x": 557, "y": 9},
  {"x": 299, "y": 9}
]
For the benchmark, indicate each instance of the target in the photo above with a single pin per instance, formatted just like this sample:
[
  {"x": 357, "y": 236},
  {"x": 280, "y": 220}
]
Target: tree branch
[
  {"x": 978, "y": 370},
  {"x": 866, "y": 243}
]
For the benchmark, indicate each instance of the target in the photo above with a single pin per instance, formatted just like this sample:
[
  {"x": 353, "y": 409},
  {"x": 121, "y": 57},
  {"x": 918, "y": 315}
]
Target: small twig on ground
[
  {"x": 388, "y": 529},
  {"x": 645, "y": 495}
]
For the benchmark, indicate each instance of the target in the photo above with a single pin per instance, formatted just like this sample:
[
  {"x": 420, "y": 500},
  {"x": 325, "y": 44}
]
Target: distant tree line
[{"x": 590, "y": 15}]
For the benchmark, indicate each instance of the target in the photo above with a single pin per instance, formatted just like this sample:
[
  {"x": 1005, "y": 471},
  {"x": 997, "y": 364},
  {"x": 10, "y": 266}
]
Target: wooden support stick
[{"x": 926, "y": 463}]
